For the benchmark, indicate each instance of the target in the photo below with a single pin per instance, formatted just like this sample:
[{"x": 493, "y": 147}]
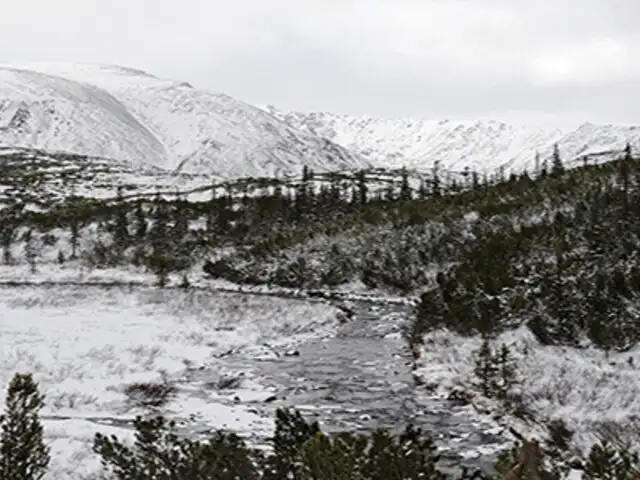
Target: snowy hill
[
  {"x": 480, "y": 145},
  {"x": 115, "y": 112}
]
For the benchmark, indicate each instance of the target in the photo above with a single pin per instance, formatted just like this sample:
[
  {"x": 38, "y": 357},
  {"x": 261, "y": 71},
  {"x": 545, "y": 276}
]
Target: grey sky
[{"x": 428, "y": 58}]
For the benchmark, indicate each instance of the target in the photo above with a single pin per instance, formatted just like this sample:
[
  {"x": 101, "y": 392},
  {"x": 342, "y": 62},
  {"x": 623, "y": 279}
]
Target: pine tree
[
  {"x": 556, "y": 161},
  {"x": 485, "y": 368},
  {"x": 7, "y": 234},
  {"x": 362, "y": 187},
  {"x": 625, "y": 167},
  {"x": 140, "y": 222},
  {"x": 30, "y": 251},
  {"x": 181, "y": 224},
  {"x": 436, "y": 189},
  {"x": 475, "y": 180},
  {"x": 74, "y": 229},
  {"x": 211, "y": 209},
  {"x": 607, "y": 463},
  {"x": 23, "y": 453},
  {"x": 121, "y": 227},
  {"x": 405, "y": 189},
  {"x": 422, "y": 191},
  {"x": 506, "y": 372}
]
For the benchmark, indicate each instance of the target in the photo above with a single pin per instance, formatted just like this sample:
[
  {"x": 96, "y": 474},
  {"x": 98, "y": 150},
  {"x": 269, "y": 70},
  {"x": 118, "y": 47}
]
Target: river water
[{"x": 361, "y": 379}]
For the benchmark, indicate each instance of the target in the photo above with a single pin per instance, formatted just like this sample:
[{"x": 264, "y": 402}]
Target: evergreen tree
[
  {"x": 140, "y": 222},
  {"x": 405, "y": 189},
  {"x": 7, "y": 234},
  {"x": 436, "y": 189},
  {"x": 422, "y": 191},
  {"x": 362, "y": 187},
  {"x": 607, "y": 463},
  {"x": 475, "y": 181},
  {"x": 23, "y": 453},
  {"x": 30, "y": 251},
  {"x": 210, "y": 219},
  {"x": 556, "y": 161},
  {"x": 121, "y": 227},
  {"x": 506, "y": 372},
  {"x": 485, "y": 368},
  {"x": 181, "y": 222}
]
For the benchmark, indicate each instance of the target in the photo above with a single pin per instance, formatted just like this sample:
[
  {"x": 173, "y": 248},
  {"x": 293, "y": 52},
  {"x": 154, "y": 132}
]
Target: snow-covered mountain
[
  {"x": 482, "y": 145},
  {"x": 120, "y": 113}
]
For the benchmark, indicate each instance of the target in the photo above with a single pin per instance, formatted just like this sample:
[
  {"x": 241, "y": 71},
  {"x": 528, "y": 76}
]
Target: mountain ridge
[
  {"x": 117, "y": 112},
  {"x": 481, "y": 145}
]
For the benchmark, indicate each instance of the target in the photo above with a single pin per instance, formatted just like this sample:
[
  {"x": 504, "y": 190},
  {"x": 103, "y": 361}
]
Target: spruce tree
[
  {"x": 405, "y": 189},
  {"x": 30, "y": 251},
  {"x": 23, "y": 453},
  {"x": 362, "y": 187},
  {"x": 210, "y": 211},
  {"x": 121, "y": 227},
  {"x": 485, "y": 368},
  {"x": 506, "y": 372},
  {"x": 436, "y": 189},
  {"x": 140, "y": 222},
  {"x": 556, "y": 161}
]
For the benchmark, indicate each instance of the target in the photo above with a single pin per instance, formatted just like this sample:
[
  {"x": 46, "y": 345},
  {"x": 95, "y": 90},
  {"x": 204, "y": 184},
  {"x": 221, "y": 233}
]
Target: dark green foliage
[
  {"x": 300, "y": 451},
  {"x": 556, "y": 162},
  {"x": 495, "y": 370},
  {"x": 608, "y": 463},
  {"x": 23, "y": 453},
  {"x": 158, "y": 453},
  {"x": 121, "y": 224},
  {"x": 291, "y": 434},
  {"x": 556, "y": 252},
  {"x": 141, "y": 224},
  {"x": 485, "y": 369}
]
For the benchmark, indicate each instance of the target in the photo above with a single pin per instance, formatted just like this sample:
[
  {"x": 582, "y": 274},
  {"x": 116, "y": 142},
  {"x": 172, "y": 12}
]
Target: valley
[{"x": 225, "y": 261}]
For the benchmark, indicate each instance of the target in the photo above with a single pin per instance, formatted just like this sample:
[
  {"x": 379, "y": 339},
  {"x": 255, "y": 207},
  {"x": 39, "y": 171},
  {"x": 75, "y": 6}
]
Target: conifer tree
[
  {"x": 405, "y": 189},
  {"x": 30, "y": 251},
  {"x": 485, "y": 368},
  {"x": 436, "y": 189},
  {"x": 506, "y": 372},
  {"x": 556, "y": 161},
  {"x": 362, "y": 187},
  {"x": 23, "y": 453},
  {"x": 140, "y": 222},
  {"x": 210, "y": 219},
  {"x": 121, "y": 227}
]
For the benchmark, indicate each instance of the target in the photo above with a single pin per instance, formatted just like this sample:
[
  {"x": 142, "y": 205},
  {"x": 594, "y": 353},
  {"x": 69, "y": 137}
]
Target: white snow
[
  {"x": 115, "y": 112},
  {"x": 85, "y": 344},
  {"x": 580, "y": 386},
  {"x": 483, "y": 145}
]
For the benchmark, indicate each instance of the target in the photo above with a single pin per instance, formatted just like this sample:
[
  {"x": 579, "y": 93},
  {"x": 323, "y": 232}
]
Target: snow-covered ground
[
  {"x": 480, "y": 144},
  {"x": 125, "y": 114},
  {"x": 84, "y": 345},
  {"x": 582, "y": 387}
]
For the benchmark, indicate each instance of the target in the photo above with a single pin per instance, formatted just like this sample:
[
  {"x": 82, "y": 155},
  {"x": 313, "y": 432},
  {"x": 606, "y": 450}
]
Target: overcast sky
[{"x": 428, "y": 58}]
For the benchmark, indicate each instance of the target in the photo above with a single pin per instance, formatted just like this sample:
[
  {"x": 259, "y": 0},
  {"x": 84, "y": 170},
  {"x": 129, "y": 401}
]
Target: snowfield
[
  {"x": 125, "y": 114},
  {"x": 85, "y": 345},
  {"x": 481, "y": 145},
  {"x": 590, "y": 392}
]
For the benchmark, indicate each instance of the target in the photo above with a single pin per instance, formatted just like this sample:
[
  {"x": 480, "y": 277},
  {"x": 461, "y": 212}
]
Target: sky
[{"x": 438, "y": 59}]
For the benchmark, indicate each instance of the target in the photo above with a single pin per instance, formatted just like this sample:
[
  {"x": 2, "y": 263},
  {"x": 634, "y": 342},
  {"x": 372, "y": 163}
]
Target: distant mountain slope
[
  {"x": 53, "y": 113},
  {"x": 480, "y": 145},
  {"x": 121, "y": 113}
]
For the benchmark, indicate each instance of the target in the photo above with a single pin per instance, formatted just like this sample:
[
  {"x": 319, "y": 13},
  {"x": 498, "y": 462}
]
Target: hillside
[
  {"x": 128, "y": 115},
  {"x": 480, "y": 145},
  {"x": 547, "y": 265}
]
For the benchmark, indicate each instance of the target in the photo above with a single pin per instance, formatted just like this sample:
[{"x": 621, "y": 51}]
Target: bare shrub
[{"x": 150, "y": 394}]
